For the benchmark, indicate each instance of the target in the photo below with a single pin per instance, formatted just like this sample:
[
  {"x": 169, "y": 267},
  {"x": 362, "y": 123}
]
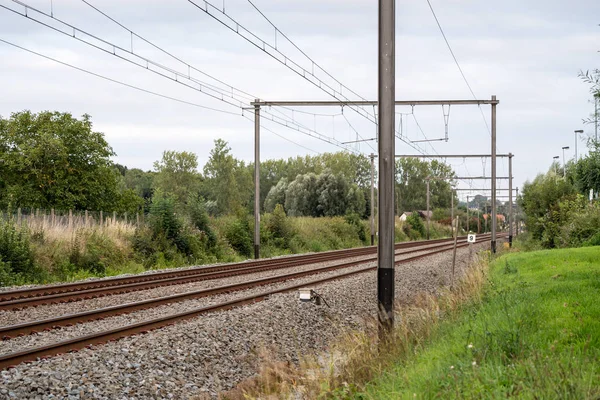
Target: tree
[
  {"x": 276, "y": 195},
  {"x": 301, "y": 196},
  {"x": 356, "y": 201},
  {"x": 140, "y": 182},
  {"x": 177, "y": 176},
  {"x": 592, "y": 78},
  {"x": 332, "y": 194},
  {"x": 411, "y": 184},
  {"x": 226, "y": 180},
  {"x": 51, "y": 159}
]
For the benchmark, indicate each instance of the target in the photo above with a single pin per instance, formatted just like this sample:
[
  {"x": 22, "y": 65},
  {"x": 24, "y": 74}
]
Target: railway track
[
  {"x": 12, "y": 359},
  {"x": 23, "y": 298}
]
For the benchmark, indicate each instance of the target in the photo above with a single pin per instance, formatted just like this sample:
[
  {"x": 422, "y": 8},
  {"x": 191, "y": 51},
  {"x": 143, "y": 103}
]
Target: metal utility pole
[
  {"x": 517, "y": 213},
  {"x": 427, "y": 208},
  {"x": 257, "y": 181},
  {"x": 564, "y": 162},
  {"x": 510, "y": 202},
  {"x": 468, "y": 230},
  {"x": 493, "y": 244},
  {"x": 386, "y": 102},
  {"x": 452, "y": 209},
  {"x": 372, "y": 199},
  {"x": 577, "y": 132}
]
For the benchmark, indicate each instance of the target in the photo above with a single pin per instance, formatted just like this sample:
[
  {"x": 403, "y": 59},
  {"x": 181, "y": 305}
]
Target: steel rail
[
  {"x": 8, "y": 332},
  {"x": 302, "y": 259},
  {"x": 32, "y": 354}
]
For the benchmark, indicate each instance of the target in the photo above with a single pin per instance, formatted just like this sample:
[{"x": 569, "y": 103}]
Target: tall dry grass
[{"x": 77, "y": 247}]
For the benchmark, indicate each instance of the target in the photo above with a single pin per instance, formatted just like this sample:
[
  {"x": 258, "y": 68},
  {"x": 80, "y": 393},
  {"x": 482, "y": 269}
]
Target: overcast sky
[{"x": 527, "y": 52}]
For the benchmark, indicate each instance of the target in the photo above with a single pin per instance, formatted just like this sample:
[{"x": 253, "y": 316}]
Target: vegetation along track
[
  {"x": 12, "y": 359},
  {"x": 22, "y": 298}
]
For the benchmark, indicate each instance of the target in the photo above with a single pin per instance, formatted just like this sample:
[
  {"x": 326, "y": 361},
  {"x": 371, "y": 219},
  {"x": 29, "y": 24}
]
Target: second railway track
[{"x": 80, "y": 342}]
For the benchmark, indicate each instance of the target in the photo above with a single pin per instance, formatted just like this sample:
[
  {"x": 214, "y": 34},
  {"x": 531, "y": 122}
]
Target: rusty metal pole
[
  {"x": 372, "y": 199},
  {"x": 257, "y": 181},
  {"x": 386, "y": 104}
]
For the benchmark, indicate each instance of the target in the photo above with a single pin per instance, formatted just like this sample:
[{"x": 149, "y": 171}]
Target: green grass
[{"x": 534, "y": 335}]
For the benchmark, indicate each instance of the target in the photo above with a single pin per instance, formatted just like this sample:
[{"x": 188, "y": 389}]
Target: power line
[
  {"x": 232, "y": 24},
  {"x": 456, "y": 61},
  {"x": 148, "y": 62},
  {"x": 145, "y": 62},
  {"x": 272, "y": 51},
  {"x": 146, "y": 90},
  {"x": 314, "y": 63},
  {"x": 116, "y": 81},
  {"x": 230, "y": 87}
]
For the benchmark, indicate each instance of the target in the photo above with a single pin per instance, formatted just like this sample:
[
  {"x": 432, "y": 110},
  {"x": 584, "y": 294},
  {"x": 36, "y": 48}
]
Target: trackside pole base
[
  {"x": 493, "y": 246},
  {"x": 510, "y": 241},
  {"x": 256, "y": 251},
  {"x": 385, "y": 294},
  {"x": 372, "y": 240}
]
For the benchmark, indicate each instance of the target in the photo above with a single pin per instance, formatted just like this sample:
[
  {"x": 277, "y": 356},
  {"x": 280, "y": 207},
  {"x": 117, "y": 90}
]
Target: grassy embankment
[
  {"x": 38, "y": 251},
  {"x": 534, "y": 334}
]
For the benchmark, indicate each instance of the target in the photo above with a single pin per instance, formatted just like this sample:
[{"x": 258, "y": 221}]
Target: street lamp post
[
  {"x": 564, "y": 164},
  {"x": 577, "y": 132},
  {"x": 555, "y": 166}
]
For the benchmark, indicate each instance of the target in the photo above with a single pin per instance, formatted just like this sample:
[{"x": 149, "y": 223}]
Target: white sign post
[{"x": 471, "y": 238}]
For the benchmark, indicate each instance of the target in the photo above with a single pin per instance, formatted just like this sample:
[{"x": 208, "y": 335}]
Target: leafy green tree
[
  {"x": 411, "y": 184},
  {"x": 226, "y": 180},
  {"x": 276, "y": 195},
  {"x": 332, "y": 193},
  {"x": 140, "y": 182},
  {"x": 301, "y": 197},
  {"x": 356, "y": 201},
  {"x": 51, "y": 159},
  {"x": 177, "y": 176},
  {"x": 540, "y": 200}
]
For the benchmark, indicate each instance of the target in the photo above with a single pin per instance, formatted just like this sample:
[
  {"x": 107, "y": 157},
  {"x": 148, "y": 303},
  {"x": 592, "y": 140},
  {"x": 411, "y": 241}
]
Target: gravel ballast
[{"x": 214, "y": 352}]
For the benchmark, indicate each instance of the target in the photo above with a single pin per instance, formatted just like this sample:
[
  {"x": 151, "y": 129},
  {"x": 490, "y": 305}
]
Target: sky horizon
[{"x": 527, "y": 55}]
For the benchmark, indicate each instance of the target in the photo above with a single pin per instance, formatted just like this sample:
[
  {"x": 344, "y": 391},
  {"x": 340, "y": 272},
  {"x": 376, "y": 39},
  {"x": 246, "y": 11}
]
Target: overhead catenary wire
[
  {"x": 263, "y": 45},
  {"x": 147, "y": 91},
  {"x": 249, "y": 96},
  {"x": 117, "y": 81},
  {"x": 219, "y": 95},
  {"x": 456, "y": 62}
]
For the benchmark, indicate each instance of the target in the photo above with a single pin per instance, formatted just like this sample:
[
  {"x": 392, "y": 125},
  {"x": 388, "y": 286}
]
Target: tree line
[{"x": 54, "y": 160}]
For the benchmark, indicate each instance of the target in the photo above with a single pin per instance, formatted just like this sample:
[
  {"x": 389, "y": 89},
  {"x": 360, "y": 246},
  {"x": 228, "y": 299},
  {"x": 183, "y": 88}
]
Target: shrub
[
  {"x": 199, "y": 219},
  {"x": 238, "y": 235},
  {"x": 353, "y": 219},
  {"x": 279, "y": 227},
  {"x": 416, "y": 223},
  {"x": 16, "y": 253}
]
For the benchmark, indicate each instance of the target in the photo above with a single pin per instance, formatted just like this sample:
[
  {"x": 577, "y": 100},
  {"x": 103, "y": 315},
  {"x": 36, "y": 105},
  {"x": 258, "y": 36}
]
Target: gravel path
[
  {"x": 45, "y": 311},
  {"x": 217, "y": 351}
]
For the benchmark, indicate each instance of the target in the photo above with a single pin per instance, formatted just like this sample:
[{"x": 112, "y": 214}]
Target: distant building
[
  {"x": 422, "y": 214},
  {"x": 500, "y": 217}
]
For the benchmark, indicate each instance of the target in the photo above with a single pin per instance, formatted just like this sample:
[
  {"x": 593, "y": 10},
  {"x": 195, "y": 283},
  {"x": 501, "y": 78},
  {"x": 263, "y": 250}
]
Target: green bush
[
  {"x": 16, "y": 253},
  {"x": 239, "y": 236},
  {"x": 279, "y": 228},
  {"x": 353, "y": 219},
  {"x": 199, "y": 219},
  {"x": 416, "y": 223}
]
